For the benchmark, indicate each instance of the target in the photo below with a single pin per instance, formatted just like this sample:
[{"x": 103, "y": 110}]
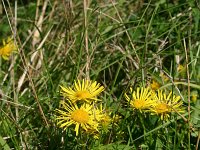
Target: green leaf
[
  {"x": 3, "y": 144},
  {"x": 114, "y": 146}
]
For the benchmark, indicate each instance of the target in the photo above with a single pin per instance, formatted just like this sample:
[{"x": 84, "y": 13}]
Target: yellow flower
[
  {"x": 181, "y": 70},
  {"x": 140, "y": 99},
  {"x": 155, "y": 85},
  {"x": 105, "y": 119},
  {"x": 194, "y": 95},
  {"x": 85, "y": 90},
  {"x": 166, "y": 104},
  {"x": 8, "y": 47},
  {"x": 84, "y": 117},
  {"x": 164, "y": 77},
  {"x": 116, "y": 119},
  {"x": 95, "y": 134}
]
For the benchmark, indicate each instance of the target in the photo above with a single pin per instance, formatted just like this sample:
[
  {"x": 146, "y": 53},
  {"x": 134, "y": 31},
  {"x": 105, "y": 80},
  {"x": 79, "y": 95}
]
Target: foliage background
[{"x": 117, "y": 43}]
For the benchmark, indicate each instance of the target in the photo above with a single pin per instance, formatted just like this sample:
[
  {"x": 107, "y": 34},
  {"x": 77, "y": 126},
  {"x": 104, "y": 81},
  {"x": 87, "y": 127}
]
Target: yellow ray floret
[
  {"x": 140, "y": 99},
  {"x": 83, "y": 90},
  {"x": 84, "y": 117},
  {"x": 166, "y": 104},
  {"x": 7, "y": 48}
]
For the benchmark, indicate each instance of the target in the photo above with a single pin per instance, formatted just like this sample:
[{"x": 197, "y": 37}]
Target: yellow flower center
[
  {"x": 80, "y": 116},
  {"x": 83, "y": 94},
  {"x": 162, "y": 108},
  {"x": 139, "y": 103}
]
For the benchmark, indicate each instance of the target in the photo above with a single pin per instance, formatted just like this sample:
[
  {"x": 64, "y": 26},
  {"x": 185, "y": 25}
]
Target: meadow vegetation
[{"x": 100, "y": 74}]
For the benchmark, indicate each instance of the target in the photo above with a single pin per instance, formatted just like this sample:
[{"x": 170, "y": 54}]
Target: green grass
[{"x": 120, "y": 44}]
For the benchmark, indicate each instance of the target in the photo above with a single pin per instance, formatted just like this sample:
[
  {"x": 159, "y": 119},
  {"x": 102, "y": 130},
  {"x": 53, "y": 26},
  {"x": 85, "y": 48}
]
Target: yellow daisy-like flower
[
  {"x": 166, "y": 104},
  {"x": 140, "y": 99},
  {"x": 84, "y": 117},
  {"x": 7, "y": 48},
  {"x": 104, "y": 119},
  {"x": 155, "y": 85},
  {"x": 85, "y": 90}
]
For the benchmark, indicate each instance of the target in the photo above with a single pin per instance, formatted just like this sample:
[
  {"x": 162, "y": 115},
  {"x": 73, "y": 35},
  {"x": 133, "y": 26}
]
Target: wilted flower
[
  {"x": 164, "y": 77},
  {"x": 181, "y": 70},
  {"x": 194, "y": 96},
  {"x": 155, "y": 85}
]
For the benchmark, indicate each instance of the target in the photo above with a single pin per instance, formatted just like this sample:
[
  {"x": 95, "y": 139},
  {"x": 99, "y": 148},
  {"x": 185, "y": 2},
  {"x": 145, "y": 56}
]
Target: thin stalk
[
  {"x": 188, "y": 81},
  {"x": 127, "y": 34},
  {"x": 142, "y": 122},
  {"x": 85, "y": 6},
  {"x": 198, "y": 139}
]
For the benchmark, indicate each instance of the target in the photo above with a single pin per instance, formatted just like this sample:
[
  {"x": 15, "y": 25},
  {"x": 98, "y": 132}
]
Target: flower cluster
[
  {"x": 8, "y": 47},
  {"x": 155, "y": 102},
  {"x": 80, "y": 109}
]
